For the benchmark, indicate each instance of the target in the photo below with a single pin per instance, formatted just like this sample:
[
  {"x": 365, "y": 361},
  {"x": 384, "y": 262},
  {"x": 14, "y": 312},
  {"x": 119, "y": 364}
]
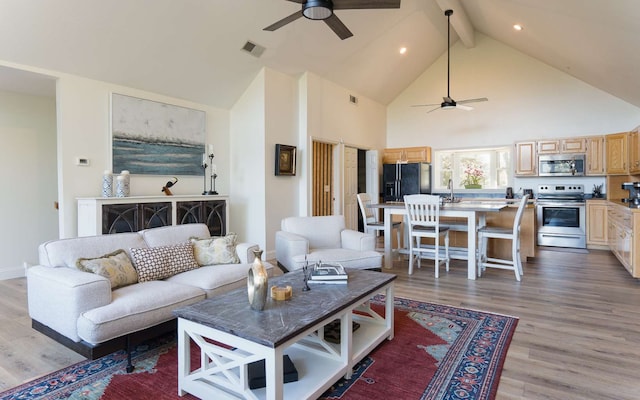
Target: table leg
[
  {"x": 389, "y": 310},
  {"x": 388, "y": 223},
  {"x": 184, "y": 357},
  {"x": 274, "y": 374},
  {"x": 471, "y": 246}
]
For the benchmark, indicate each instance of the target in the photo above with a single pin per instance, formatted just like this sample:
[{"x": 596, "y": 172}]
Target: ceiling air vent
[
  {"x": 353, "y": 99},
  {"x": 254, "y": 49}
]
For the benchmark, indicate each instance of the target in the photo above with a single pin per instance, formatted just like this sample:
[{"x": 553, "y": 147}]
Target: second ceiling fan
[
  {"x": 323, "y": 10},
  {"x": 448, "y": 102}
]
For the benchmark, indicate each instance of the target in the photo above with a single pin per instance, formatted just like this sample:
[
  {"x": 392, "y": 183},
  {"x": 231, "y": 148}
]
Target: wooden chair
[
  {"x": 423, "y": 220},
  {"x": 513, "y": 234},
  {"x": 370, "y": 218}
]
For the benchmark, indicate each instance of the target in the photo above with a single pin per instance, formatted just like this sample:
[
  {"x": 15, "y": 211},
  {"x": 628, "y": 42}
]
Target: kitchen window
[{"x": 487, "y": 168}]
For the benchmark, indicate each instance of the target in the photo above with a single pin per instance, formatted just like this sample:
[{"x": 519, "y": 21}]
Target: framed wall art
[
  {"x": 155, "y": 138},
  {"x": 285, "y": 159}
]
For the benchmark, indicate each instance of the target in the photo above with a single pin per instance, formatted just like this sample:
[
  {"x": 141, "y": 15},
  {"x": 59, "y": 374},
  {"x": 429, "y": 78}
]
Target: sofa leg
[{"x": 130, "y": 366}]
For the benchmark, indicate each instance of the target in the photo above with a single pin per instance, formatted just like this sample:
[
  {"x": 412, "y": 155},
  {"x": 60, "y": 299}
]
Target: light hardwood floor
[{"x": 578, "y": 336}]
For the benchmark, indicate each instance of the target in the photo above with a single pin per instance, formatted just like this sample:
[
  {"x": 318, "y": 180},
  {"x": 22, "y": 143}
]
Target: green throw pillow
[
  {"x": 115, "y": 266},
  {"x": 216, "y": 250}
]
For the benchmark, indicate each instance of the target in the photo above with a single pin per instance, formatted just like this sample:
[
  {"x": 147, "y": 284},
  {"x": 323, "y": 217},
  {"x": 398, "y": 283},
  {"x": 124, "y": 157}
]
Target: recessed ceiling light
[
  {"x": 403, "y": 50},
  {"x": 517, "y": 27}
]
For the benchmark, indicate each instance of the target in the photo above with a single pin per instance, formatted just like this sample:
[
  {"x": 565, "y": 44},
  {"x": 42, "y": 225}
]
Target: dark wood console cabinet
[{"x": 97, "y": 216}]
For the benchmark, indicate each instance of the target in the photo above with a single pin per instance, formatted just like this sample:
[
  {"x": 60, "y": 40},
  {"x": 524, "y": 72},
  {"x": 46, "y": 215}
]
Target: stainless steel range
[{"x": 561, "y": 216}]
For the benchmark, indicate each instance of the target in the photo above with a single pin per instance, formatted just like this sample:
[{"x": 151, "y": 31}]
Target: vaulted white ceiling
[{"x": 191, "y": 49}]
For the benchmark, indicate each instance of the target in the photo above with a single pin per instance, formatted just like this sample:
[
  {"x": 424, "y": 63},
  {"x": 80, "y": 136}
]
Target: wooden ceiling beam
[{"x": 459, "y": 21}]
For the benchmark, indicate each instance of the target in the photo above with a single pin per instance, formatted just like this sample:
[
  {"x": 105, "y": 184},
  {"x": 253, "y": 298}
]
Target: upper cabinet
[
  {"x": 634, "y": 152},
  {"x": 527, "y": 152},
  {"x": 407, "y": 154},
  {"x": 595, "y": 156},
  {"x": 557, "y": 146},
  {"x": 617, "y": 153},
  {"x": 526, "y": 159}
]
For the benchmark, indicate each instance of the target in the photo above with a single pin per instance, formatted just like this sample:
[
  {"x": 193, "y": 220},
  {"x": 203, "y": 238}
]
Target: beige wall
[
  {"x": 28, "y": 163},
  {"x": 527, "y": 100},
  {"x": 84, "y": 131}
]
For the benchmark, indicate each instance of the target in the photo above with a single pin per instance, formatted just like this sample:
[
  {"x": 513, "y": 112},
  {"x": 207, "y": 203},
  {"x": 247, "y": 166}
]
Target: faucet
[{"x": 450, "y": 187}]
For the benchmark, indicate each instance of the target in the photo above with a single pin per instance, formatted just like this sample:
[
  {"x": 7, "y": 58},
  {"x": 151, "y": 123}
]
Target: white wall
[
  {"x": 281, "y": 105},
  {"x": 527, "y": 100},
  {"x": 84, "y": 131},
  {"x": 263, "y": 116},
  {"x": 248, "y": 164},
  {"x": 327, "y": 115},
  {"x": 28, "y": 162}
]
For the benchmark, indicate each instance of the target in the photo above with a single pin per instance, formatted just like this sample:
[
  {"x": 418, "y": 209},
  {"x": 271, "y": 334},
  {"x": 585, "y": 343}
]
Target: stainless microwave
[{"x": 561, "y": 165}]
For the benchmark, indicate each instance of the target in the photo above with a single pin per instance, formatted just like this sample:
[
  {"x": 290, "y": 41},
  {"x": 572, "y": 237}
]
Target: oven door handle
[
  {"x": 560, "y": 236},
  {"x": 561, "y": 205}
]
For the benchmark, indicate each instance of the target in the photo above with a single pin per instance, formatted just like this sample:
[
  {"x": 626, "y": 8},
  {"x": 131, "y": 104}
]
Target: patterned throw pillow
[
  {"x": 216, "y": 250},
  {"x": 156, "y": 263},
  {"x": 115, "y": 266}
]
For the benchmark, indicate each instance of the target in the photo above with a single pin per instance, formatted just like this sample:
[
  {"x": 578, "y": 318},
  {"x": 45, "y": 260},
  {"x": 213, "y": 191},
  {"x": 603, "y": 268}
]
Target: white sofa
[
  {"x": 80, "y": 309},
  {"x": 326, "y": 239}
]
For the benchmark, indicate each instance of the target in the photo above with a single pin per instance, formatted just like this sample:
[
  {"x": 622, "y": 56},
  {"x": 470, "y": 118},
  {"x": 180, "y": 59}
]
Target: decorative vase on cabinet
[{"x": 257, "y": 283}]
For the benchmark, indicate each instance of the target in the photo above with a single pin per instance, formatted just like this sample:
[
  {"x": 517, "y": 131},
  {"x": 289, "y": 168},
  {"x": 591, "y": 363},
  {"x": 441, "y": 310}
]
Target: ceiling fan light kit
[
  {"x": 317, "y": 9},
  {"x": 448, "y": 103}
]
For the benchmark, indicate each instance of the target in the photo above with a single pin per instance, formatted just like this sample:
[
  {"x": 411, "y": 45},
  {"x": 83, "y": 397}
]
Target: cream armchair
[{"x": 324, "y": 239}]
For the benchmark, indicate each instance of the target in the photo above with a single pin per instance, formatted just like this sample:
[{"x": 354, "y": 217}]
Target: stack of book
[{"x": 328, "y": 273}]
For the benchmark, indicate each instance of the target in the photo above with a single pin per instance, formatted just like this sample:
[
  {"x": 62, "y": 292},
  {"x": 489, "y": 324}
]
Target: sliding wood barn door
[
  {"x": 351, "y": 187},
  {"x": 322, "y": 179}
]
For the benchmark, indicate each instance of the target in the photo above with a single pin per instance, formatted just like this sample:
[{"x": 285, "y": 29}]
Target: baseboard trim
[{"x": 12, "y": 273}]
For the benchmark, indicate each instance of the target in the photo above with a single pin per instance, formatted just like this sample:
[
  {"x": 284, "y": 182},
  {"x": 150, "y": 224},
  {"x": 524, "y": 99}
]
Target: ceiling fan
[
  {"x": 323, "y": 10},
  {"x": 448, "y": 102}
]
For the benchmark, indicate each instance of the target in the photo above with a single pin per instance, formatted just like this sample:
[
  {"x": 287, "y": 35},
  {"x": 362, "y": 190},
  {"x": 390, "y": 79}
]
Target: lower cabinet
[
  {"x": 622, "y": 223},
  {"x": 597, "y": 223},
  {"x": 97, "y": 216}
]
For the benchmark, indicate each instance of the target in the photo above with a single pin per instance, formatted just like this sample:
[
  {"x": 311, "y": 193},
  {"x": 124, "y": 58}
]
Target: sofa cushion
[
  {"x": 134, "y": 308},
  {"x": 215, "y": 250},
  {"x": 65, "y": 252},
  {"x": 322, "y": 232},
  {"x": 170, "y": 235},
  {"x": 348, "y": 258},
  {"x": 220, "y": 278},
  {"x": 114, "y": 266},
  {"x": 155, "y": 263}
]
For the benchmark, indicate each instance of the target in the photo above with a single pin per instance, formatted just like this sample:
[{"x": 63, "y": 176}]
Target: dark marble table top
[{"x": 283, "y": 320}]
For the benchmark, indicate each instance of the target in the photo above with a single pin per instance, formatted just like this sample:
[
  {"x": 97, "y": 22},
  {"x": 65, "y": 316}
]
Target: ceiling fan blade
[
  {"x": 364, "y": 4},
  {"x": 425, "y": 105},
  {"x": 298, "y": 1},
  {"x": 433, "y": 109},
  {"x": 284, "y": 21},
  {"x": 338, "y": 27},
  {"x": 463, "y": 107},
  {"x": 473, "y": 100}
]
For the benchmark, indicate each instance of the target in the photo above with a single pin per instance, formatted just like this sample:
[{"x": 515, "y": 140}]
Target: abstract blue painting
[{"x": 155, "y": 138}]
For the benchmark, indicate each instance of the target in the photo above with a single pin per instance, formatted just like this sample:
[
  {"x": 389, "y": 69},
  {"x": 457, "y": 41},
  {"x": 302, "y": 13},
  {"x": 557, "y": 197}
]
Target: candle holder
[
  {"x": 213, "y": 176},
  {"x": 305, "y": 273},
  {"x": 204, "y": 175}
]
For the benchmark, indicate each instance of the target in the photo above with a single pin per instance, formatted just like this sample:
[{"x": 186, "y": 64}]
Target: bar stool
[
  {"x": 423, "y": 219},
  {"x": 370, "y": 218},
  {"x": 513, "y": 234}
]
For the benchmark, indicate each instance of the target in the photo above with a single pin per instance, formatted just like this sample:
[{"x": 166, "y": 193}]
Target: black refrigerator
[{"x": 401, "y": 179}]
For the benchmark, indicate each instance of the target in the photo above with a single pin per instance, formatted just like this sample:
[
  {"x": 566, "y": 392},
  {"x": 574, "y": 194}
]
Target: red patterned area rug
[{"x": 438, "y": 352}]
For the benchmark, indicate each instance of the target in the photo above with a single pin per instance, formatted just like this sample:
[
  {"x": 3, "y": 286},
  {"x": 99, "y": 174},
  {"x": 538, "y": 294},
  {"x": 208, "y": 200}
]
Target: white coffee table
[{"x": 292, "y": 327}]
